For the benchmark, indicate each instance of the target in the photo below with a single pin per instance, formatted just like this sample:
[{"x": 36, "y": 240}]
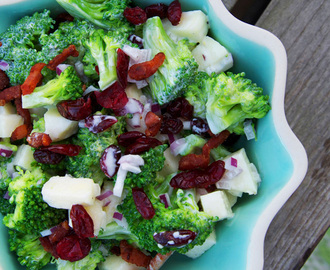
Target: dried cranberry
[
  {"x": 141, "y": 145},
  {"x": 159, "y": 10},
  {"x": 127, "y": 138},
  {"x": 153, "y": 123},
  {"x": 122, "y": 67},
  {"x": 135, "y": 15},
  {"x": 109, "y": 160},
  {"x": 48, "y": 246},
  {"x": 114, "y": 97},
  {"x": 180, "y": 107},
  {"x": 95, "y": 106},
  {"x": 171, "y": 125},
  {"x": 72, "y": 248},
  {"x": 63, "y": 149},
  {"x": 60, "y": 231},
  {"x": 47, "y": 157},
  {"x": 75, "y": 110},
  {"x": 142, "y": 203},
  {"x": 174, "y": 12},
  {"x": 215, "y": 171},
  {"x": 82, "y": 223},
  {"x": 177, "y": 238},
  {"x": 199, "y": 126},
  {"x": 99, "y": 123}
]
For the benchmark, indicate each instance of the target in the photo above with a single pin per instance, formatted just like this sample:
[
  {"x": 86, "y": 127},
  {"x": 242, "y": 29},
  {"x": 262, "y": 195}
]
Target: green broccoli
[
  {"x": 182, "y": 215},
  {"x": 25, "y": 193},
  {"x": 154, "y": 162},
  {"x": 229, "y": 99},
  {"x": 102, "y": 47},
  {"x": 20, "y": 44},
  {"x": 29, "y": 250},
  {"x": 179, "y": 68},
  {"x": 65, "y": 86},
  {"x": 5, "y": 206},
  {"x": 115, "y": 232},
  {"x": 87, "y": 163},
  {"x": 107, "y": 14}
]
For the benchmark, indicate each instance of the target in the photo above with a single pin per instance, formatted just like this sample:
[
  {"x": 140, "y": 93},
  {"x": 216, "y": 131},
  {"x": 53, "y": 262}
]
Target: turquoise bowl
[{"x": 278, "y": 154}]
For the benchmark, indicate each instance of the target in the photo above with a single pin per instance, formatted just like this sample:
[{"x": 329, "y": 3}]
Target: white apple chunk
[
  {"x": 171, "y": 163},
  {"x": 64, "y": 191},
  {"x": 24, "y": 157},
  {"x": 8, "y": 108},
  {"x": 133, "y": 92},
  {"x": 97, "y": 214},
  {"x": 193, "y": 25},
  {"x": 198, "y": 250},
  {"x": 216, "y": 204},
  {"x": 116, "y": 262},
  {"x": 8, "y": 123},
  {"x": 211, "y": 56},
  {"x": 58, "y": 127}
]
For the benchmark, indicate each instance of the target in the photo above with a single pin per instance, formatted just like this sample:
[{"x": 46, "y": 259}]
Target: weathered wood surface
[{"x": 304, "y": 28}]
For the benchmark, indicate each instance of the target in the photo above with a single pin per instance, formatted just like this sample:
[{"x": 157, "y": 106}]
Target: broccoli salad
[{"x": 117, "y": 135}]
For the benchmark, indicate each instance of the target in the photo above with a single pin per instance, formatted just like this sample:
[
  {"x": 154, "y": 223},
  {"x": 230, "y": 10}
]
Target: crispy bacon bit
[
  {"x": 157, "y": 261},
  {"x": 144, "y": 70},
  {"x": 133, "y": 255},
  {"x": 153, "y": 123},
  {"x": 10, "y": 94},
  {"x": 58, "y": 59},
  {"x": 20, "y": 132},
  {"x": 4, "y": 80},
  {"x": 37, "y": 139},
  {"x": 25, "y": 113},
  {"x": 33, "y": 79},
  {"x": 193, "y": 161}
]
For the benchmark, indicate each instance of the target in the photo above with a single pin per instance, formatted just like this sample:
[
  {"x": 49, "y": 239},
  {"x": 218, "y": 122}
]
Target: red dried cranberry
[
  {"x": 82, "y": 223},
  {"x": 135, "y": 15},
  {"x": 174, "y": 12},
  {"x": 75, "y": 110},
  {"x": 109, "y": 160},
  {"x": 59, "y": 232},
  {"x": 64, "y": 149},
  {"x": 177, "y": 238},
  {"x": 215, "y": 171},
  {"x": 159, "y": 10},
  {"x": 98, "y": 123},
  {"x": 136, "y": 40},
  {"x": 114, "y": 97},
  {"x": 180, "y": 107},
  {"x": 142, "y": 145},
  {"x": 122, "y": 67},
  {"x": 199, "y": 126},
  {"x": 142, "y": 203},
  {"x": 48, "y": 246},
  {"x": 127, "y": 138},
  {"x": 171, "y": 125},
  {"x": 153, "y": 123},
  {"x": 47, "y": 157},
  {"x": 72, "y": 248}
]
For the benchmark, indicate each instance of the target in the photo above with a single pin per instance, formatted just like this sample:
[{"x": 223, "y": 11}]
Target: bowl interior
[{"x": 268, "y": 153}]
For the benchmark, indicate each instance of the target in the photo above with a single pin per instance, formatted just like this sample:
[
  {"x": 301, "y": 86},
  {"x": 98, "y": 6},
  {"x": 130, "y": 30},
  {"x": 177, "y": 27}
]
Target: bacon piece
[
  {"x": 144, "y": 70},
  {"x": 33, "y": 79},
  {"x": 25, "y": 113},
  {"x": 10, "y": 94},
  {"x": 20, "y": 132},
  {"x": 157, "y": 261},
  {"x": 133, "y": 255},
  {"x": 37, "y": 139},
  {"x": 153, "y": 123},
  {"x": 58, "y": 59},
  {"x": 4, "y": 80}
]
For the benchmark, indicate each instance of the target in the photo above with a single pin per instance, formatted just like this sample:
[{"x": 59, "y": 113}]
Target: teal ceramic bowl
[{"x": 278, "y": 154}]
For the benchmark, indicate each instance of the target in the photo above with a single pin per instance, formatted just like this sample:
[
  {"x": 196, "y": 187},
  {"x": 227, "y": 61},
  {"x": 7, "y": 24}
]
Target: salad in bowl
[{"x": 121, "y": 133}]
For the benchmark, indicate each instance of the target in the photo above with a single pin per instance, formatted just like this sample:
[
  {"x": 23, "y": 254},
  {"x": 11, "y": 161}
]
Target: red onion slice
[
  {"x": 134, "y": 160},
  {"x": 90, "y": 89},
  {"x": 233, "y": 162},
  {"x": 177, "y": 146},
  {"x": 104, "y": 195},
  {"x": 249, "y": 130},
  {"x": 117, "y": 215},
  {"x": 132, "y": 106},
  {"x": 165, "y": 199},
  {"x": 6, "y": 151},
  {"x": 46, "y": 233},
  {"x": 6, "y": 196},
  {"x": 60, "y": 68},
  {"x": 109, "y": 160},
  {"x": 119, "y": 185},
  {"x": 4, "y": 65},
  {"x": 130, "y": 168}
]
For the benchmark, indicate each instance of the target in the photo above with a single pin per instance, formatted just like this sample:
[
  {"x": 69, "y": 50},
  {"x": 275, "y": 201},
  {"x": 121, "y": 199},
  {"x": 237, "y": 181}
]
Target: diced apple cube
[
  {"x": 198, "y": 250},
  {"x": 216, "y": 204},
  {"x": 232, "y": 199},
  {"x": 58, "y": 127},
  {"x": 64, "y": 191},
  {"x": 97, "y": 214},
  {"x": 193, "y": 25},
  {"x": 8, "y": 108},
  {"x": 133, "y": 92},
  {"x": 24, "y": 157},
  {"x": 117, "y": 263},
  {"x": 211, "y": 56},
  {"x": 8, "y": 123}
]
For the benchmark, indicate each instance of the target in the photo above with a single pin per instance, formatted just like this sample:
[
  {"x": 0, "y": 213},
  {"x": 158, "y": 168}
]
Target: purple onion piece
[
  {"x": 118, "y": 215},
  {"x": 104, "y": 195},
  {"x": 109, "y": 160}
]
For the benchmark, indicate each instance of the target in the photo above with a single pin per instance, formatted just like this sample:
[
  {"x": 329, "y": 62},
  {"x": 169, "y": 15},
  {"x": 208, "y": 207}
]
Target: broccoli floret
[
  {"x": 179, "y": 68},
  {"x": 115, "y": 232},
  {"x": 21, "y": 47},
  {"x": 5, "y": 206},
  {"x": 230, "y": 99},
  {"x": 182, "y": 215},
  {"x": 154, "y": 162},
  {"x": 29, "y": 250},
  {"x": 87, "y": 163},
  {"x": 107, "y": 14},
  {"x": 65, "y": 86},
  {"x": 25, "y": 193},
  {"x": 102, "y": 47}
]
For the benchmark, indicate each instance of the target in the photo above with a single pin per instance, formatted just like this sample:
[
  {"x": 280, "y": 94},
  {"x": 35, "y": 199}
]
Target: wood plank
[{"x": 304, "y": 28}]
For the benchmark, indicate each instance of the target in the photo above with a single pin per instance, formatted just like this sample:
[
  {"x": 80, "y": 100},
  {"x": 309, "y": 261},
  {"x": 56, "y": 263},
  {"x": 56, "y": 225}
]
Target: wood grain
[{"x": 304, "y": 28}]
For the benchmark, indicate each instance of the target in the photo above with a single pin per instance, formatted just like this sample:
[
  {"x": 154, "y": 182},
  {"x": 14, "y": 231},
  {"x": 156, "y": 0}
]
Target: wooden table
[{"x": 304, "y": 28}]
